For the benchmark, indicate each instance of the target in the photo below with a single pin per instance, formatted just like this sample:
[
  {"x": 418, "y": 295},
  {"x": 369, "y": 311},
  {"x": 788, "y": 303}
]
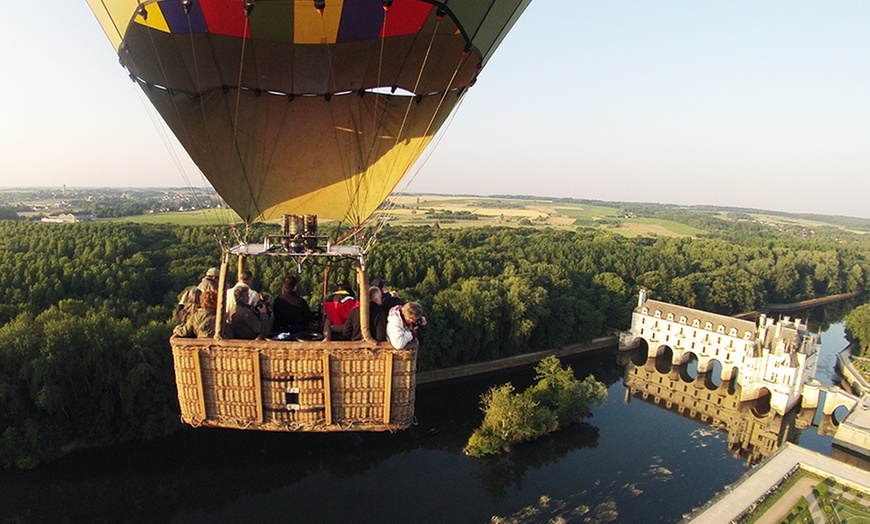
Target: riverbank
[
  {"x": 805, "y": 304},
  {"x": 795, "y": 306},
  {"x": 852, "y": 376},
  {"x": 479, "y": 368},
  {"x": 737, "y": 499}
]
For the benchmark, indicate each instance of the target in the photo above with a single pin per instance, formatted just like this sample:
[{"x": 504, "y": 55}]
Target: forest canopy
[{"x": 86, "y": 309}]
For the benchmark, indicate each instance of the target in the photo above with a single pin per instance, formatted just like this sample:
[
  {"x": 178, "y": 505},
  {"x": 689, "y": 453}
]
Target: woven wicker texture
[{"x": 282, "y": 386}]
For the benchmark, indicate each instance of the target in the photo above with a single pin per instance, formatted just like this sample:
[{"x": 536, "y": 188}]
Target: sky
[{"x": 740, "y": 103}]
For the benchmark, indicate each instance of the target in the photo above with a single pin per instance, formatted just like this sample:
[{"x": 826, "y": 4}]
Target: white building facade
[{"x": 766, "y": 357}]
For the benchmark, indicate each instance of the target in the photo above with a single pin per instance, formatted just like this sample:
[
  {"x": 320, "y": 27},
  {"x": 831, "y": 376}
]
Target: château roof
[{"x": 742, "y": 326}]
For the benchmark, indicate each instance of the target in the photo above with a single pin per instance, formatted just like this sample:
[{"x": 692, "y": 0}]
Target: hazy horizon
[
  {"x": 458, "y": 195},
  {"x": 744, "y": 104}
]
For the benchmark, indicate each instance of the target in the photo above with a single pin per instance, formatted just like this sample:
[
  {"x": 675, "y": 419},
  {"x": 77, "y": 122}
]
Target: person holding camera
[
  {"x": 247, "y": 321},
  {"x": 402, "y": 324}
]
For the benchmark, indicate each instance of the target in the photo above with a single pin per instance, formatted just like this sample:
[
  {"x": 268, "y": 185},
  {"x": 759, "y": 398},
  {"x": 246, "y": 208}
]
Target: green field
[
  {"x": 205, "y": 217},
  {"x": 646, "y": 226},
  {"x": 418, "y": 210},
  {"x": 412, "y": 210}
]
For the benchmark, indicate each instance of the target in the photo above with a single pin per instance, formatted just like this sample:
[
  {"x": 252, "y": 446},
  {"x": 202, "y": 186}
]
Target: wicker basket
[{"x": 295, "y": 386}]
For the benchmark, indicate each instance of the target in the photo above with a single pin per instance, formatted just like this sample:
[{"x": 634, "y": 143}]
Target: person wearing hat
[
  {"x": 210, "y": 280},
  {"x": 188, "y": 300},
  {"x": 389, "y": 299},
  {"x": 338, "y": 306},
  {"x": 342, "y": 292}
]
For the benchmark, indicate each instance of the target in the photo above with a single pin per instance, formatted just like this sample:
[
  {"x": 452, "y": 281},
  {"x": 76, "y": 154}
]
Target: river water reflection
[{"x": 634, "y": 462}]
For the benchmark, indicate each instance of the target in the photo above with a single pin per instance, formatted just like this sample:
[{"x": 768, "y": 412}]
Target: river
[{"x": 632, "y": 462}]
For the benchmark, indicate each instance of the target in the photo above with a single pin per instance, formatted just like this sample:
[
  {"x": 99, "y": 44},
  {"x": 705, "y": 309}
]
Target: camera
[{"x": 417, "y": 323}]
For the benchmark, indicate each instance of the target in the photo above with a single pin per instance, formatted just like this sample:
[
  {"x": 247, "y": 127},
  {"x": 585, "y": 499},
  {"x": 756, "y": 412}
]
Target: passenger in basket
[
  {"x": 292, "y": 313},
  {"x": 253, "y": 296},
  {"x": 377, "y": 319},
  {"x": 402, "y": 324},
  {"x": 246, "y": 321},
  {"x": 338, "y": 306},
  {"x": 201, "y": 323},
  {"x": 210, "y": 280},
  {"x": 390, "y": 299}
]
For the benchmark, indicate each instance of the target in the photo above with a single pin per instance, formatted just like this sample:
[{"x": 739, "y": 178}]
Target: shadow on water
[
  {"x": 641, "y": 460},
  {"x": 821, "y": 318},
  {"x": 199, "y": 470},
  {"x": 500, "y": 473}
]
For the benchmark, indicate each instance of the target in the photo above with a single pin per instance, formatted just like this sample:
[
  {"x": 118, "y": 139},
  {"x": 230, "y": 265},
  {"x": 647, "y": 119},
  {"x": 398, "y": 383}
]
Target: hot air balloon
[{"x": 297, "y": 109}]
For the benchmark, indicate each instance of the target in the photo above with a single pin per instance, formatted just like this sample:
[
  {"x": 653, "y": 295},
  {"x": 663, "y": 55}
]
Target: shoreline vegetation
[
  {"x": 556, "y": 400},
  {"x": 85, "y": 309}
]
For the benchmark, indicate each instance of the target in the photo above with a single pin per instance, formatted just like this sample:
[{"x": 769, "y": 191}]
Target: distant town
[
  {"x": 192, "y": 206},
  {"x": 89, "y": 204}
]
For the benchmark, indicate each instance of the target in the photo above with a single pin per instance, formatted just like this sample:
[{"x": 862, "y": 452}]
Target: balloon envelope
[{"x": 302, "y": 106}]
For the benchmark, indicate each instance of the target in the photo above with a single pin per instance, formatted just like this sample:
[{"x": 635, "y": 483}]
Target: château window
[
  {"x": 747, "y": 335},
  {"x": 696, "y": 323},
  {"x": 720, "y": 329},
  {"x": 658, "y": 314},
  {"x": 708, "y": 325},
  {"x": 670, "y": 316},
  {"x": 645, "y": 310},
  {"x": 733, "y": 332}
]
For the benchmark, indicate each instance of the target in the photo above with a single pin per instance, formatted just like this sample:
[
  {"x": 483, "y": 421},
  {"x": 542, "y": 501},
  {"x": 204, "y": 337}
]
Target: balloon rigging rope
[
  {"x": 377, "y": 124},
  {"x": 412, "y": 100},
  {"x": 417, "y": 168},
  {"x": 344, "y": 160},
  {"x": 266, "y": 153},
  {"x": 162, "y": 131},
  {"x": 224, "y": 215},
  {"x": 422, "y": 143},
  {"x": 236, "y": 132}
]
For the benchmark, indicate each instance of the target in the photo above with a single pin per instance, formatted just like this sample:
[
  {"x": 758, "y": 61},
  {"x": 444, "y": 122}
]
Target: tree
[
  {"x": 557, "y": 399},
  {"x": 858, "y": 328}
]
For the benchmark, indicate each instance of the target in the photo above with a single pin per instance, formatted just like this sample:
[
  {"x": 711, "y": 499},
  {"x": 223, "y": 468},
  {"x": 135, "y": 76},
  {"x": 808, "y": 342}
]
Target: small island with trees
[{"x": 557, "y": 399}]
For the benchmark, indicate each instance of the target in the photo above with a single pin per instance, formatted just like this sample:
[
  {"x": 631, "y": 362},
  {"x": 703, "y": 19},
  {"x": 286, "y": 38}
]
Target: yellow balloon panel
[{"x": 268, "y": 155}]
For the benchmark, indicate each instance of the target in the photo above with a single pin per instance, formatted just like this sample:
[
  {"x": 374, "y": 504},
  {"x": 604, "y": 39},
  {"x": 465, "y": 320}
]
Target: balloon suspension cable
[
  {"x": 235, "y": 119},
  {"x": 416, "y": 171},
  {"x": 343, "y": 157},
  {"x": 354, "y": 232},
  {"x": 159, "y": 124},
  {"x": 224, "y": 215},
  {"x": 428, "y": 152},
  {"x": 411, "y": 101}
]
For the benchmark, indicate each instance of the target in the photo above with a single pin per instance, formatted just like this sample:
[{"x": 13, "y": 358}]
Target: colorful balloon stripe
[{"x": 297, "y": 22}]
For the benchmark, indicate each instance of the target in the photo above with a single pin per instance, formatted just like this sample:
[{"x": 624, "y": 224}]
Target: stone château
[{"x": 767, "y": 358}]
